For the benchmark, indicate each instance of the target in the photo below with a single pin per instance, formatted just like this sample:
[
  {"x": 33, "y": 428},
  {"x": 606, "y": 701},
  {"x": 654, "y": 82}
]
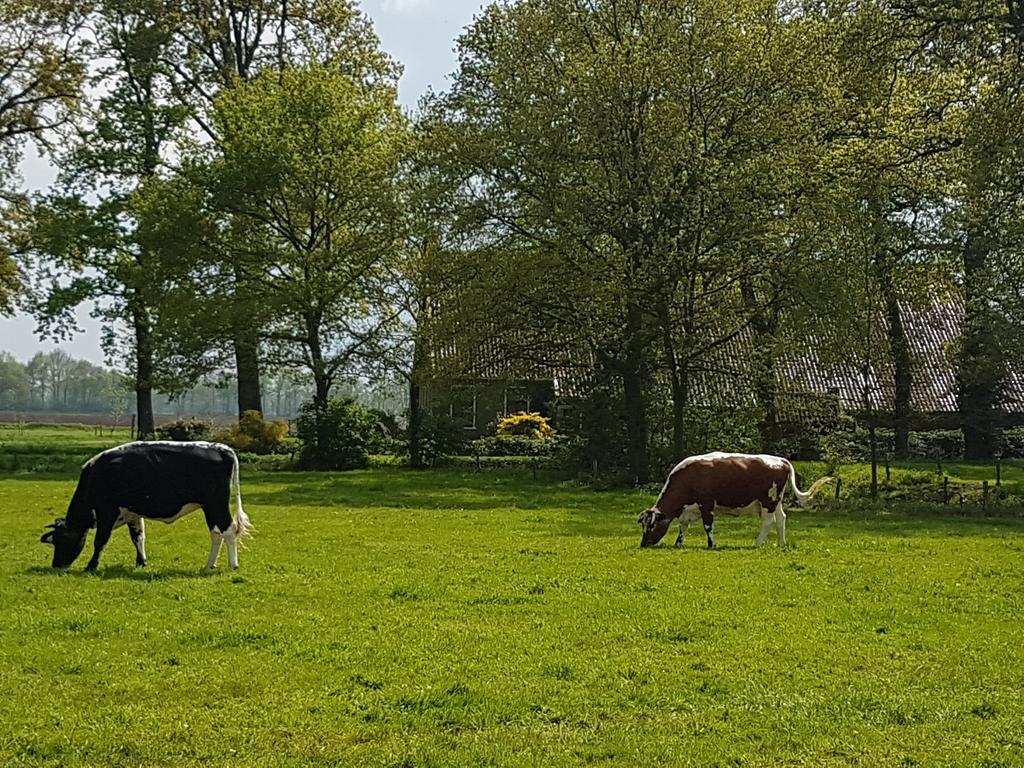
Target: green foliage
[
  {"x": 513, "y": 445},
  {"x": 185, "y": 429},
  {"x": 42, "y": 71},
  {"x": 386, "y": 438},
  {"x": 1011, "y": 443},
  {"x": 850, "y": 444},
  {"x": 847, "y": 443},
  {"x": 254, "y": 434},
  {"x": 440, "y": 437},
  {"x": 937, "y": 444},
  {"x": 316, "y": 140},
  {"x": 338, "y": 437}
]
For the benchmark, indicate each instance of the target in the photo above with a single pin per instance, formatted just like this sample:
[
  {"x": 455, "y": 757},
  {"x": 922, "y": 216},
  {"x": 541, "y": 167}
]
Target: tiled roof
[{"x": 724, "y": 379}]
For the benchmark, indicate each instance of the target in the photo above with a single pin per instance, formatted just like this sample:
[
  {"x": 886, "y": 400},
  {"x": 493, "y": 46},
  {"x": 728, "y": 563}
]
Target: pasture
[{"x": 394, "y": 618}]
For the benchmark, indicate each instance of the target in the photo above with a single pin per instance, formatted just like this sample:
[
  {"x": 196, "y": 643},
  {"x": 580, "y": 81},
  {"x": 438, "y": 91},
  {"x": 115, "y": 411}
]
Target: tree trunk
[
  {"x": 415, "y": 425},
  {"x": 869, "y": 415},
  {"x": 764, "y": 323},
  {"x": 247, "y": 366},
  {"x": 680, "y": 405},
  {"x": 680, "y": 381},
  {"x": 982, "y": 368},
  {"x": 637, "y": 452},
  {"x": 415, "y": 413},
  {"x": 143, "y": 373},
  {"x": 899, "y": 347}
]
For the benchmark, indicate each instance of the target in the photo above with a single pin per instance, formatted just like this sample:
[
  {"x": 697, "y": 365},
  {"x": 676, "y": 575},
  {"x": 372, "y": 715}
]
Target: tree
[
  {"x": 14, "y": 383},
  {"x": 100, "y": 241},
  {"x": 986, "y": 39},
  {"x": 41, "y": 74},
  {"x": 307, "y": 177},
  {"x": 618, "y": 167},
  {"x": 214, "y": 47}
]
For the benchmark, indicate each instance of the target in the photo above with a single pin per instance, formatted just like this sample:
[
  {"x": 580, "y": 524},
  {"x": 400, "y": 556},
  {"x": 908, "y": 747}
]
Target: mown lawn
[{"x": 393, "y": 618}]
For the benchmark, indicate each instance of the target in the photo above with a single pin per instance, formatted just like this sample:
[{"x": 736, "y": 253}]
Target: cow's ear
[{"x": 47, "y": 538}]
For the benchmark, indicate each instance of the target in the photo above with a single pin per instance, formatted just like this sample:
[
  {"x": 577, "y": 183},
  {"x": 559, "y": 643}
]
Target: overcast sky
[{"x": 418, "y": 33}]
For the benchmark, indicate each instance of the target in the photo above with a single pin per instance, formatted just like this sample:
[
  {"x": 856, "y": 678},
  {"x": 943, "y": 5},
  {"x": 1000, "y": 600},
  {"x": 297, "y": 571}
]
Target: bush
[
  {"x": 1011, "y": 443},
  {"x": 512, "y": 445},
  {"x": 440, "y": 437},
  {"x": 850, "y": 443},
  {"x": 338, "y": 438},
  {"x": 386, "y": 438},
  {"x": 253, "y": 434},
  {"x": 525, "y": 424},
  {"x": 184, "y": 431},
  {"x": 937, "y": 444}
]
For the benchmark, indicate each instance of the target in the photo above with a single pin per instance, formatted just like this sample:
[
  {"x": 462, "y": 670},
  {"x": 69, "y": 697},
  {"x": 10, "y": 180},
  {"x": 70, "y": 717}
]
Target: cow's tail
[
  {"x": 802, "y": 497},
  {"x": 243, "y": 526}
]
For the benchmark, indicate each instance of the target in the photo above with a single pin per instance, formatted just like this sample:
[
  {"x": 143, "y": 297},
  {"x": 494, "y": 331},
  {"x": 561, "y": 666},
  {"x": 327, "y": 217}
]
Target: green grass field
[{"x": 393, "y": 618}]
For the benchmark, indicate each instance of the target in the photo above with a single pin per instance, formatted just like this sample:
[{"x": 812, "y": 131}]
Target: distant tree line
[
  {"x": 625, "y": 186},
  {"x": 56, "y": 382}
]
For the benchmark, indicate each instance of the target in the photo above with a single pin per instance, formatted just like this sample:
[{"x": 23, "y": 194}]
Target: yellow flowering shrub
[
  {"x": 253, "y": 434},
  {"x": 526, "y": 425}
]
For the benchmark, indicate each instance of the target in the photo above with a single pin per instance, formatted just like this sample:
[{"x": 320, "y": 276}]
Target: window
[
  {"x": 516, "y": 399},
  {"x": 462, "y": 407}
]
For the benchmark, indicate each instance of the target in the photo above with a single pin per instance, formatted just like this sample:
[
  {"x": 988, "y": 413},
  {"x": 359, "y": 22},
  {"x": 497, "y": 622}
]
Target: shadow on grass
[
  {"x": 122, "y": 572},
  {"x": 410, "y": 489},
  {"x": 589, "y": 512},
  {"x": 846, "y": 520}
]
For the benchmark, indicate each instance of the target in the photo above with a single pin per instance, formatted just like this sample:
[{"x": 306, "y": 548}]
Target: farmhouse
[{"x": 476, "y": 385}]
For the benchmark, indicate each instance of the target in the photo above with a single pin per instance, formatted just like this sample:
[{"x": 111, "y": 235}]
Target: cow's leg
[
  {"x": 683, "y": 525},
  {"x": 231, "y": 539},
  {"x": 707, "y": 515},
  {"x": 780, "y": 524},
  {"x": 137, "y": 529},
  {"x": 767, "y": 518},
  {"x": 105, "y": 520},
  {"x": 215, "y": 542},
  {"x": 218, "y": 519}
]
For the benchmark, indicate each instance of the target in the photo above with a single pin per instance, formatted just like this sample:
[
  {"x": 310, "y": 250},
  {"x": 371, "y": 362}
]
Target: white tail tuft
[
  {"x": 805, "y": 496},
  {"x": 243, "y": 526}
]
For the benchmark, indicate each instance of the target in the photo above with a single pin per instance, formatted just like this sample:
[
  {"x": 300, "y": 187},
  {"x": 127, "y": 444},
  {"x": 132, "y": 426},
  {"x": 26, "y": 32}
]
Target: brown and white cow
[{"x": 726, "y": 483}]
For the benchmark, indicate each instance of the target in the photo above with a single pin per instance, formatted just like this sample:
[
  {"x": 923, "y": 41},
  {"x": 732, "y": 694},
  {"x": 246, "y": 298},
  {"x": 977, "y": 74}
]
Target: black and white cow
[{"x": 157, "y": 480}]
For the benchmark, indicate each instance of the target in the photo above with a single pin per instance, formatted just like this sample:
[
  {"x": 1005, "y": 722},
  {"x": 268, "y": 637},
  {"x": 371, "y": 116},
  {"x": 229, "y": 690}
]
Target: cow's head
[
  {"x": 654, "y": 523},
  {"x": 67, "y": 544}
]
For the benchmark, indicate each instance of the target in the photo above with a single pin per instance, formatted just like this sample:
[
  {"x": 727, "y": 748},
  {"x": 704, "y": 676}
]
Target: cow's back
[
  {"x": 157, "y": 479},
  {"x": 724, "y": 480}
]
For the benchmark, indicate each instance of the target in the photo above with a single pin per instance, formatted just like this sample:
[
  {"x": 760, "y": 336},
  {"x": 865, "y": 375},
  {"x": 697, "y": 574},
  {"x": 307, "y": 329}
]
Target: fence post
[
  {"x": 839, "y": 486},
  {"x": 888, "y": 472},
  {"x": 999, "y": 468},
  {"x": 945, "y": 490},
  {"x": 984, "y": 495},
  {"x": 133, "y": 427}
]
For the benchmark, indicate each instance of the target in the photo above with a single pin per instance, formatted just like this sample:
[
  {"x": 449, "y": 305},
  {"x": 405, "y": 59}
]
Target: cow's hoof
[{"x": 140, "y": 563}]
